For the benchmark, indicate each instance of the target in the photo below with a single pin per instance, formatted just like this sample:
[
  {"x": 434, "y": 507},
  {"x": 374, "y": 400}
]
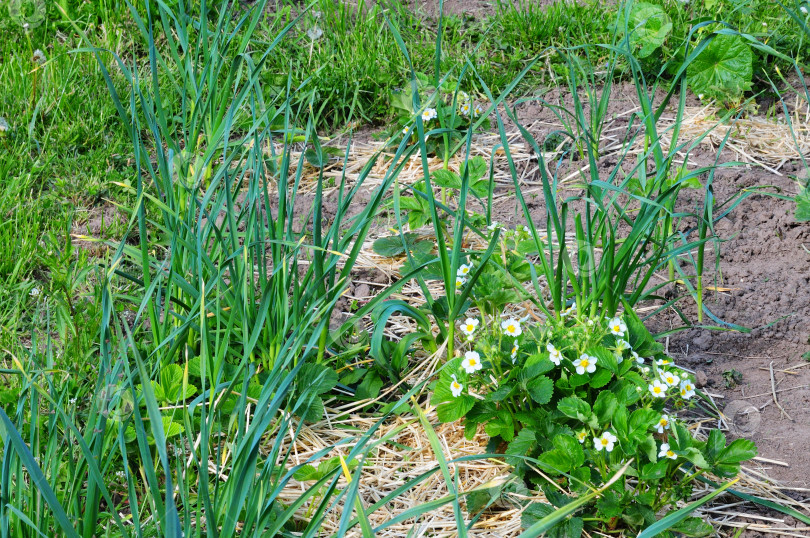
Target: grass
[{"x": 225, "y": 323}]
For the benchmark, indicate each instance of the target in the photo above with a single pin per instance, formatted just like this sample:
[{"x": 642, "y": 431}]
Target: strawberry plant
[{"x": 582, "y": 397}]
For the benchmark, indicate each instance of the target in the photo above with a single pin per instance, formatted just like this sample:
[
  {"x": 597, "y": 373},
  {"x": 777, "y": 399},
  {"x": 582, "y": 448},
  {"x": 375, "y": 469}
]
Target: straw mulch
[
  {"x": 406, "y": 455},
  {"x": 406, "y": 452},
  {"x": 753, "y": 139}
]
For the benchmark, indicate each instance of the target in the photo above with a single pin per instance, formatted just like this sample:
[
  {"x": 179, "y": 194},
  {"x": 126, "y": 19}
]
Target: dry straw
[{"x": 407, "y": 453}]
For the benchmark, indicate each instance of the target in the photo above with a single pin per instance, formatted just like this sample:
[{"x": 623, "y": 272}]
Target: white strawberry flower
[
  {"x": 464, "y": 108},
  {"x": 663, "y": 423},
  {"x": 663, "y": 362},
  {"x": 495, "y": 224},
  {"x": 666, "y": 452},
  {"x": 554, "y": 354},
  {"x": 511, "y": 327},
  {"x": 469, "y": 326},
  {"x": 460, "y": 281},
  {"x": 515, "y": 348},
  {"x": 687, "y": 389},
  {"x": 429, "y": 114},
  {"x": 605, "y": 441},
  {"x": 406, "y": 131},
  {"x": 464, "y": 270},
  {"x": 658, "y": 389},
  {"x": 585, "y": 363},
  {"x": 471, "y": 362},
  {"x": 478, "y": 110},
  {"x": 617, "y": 326},
  {"x": 455, "y": 387},
  {"x": 803, "y": 9},
  {"x": 639, "y": 360},
  {"x": 581, "y": 436},
  {"x": 670, "y": 378}
]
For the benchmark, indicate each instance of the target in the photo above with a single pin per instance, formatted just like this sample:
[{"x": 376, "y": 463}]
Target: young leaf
[
  {"x": 447, "y": 179},
  {"x": 541, "y": 389},
  {"x": 575, "y": 407},
  {"x": 738, "y": 451},
  {"x": 536, "y": 365},
  {"x": 600, "y": 378},
  {"x": 655, "y": 471},
  {"x": 572, "y": 449},
  {"x": 605, "y": 406},
  {"x": 391, "y": 246},
  {"x": 693, "y": 527},
  {"x": 554, "y": 461},
  {"x": 523, "y": 443},
  {"x": 453, "y": 410}
]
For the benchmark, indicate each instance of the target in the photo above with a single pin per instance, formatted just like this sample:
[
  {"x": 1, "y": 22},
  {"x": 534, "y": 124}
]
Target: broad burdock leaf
[
  {"x": 649, "y": 26},
  {"x": 723, "y": 70}
]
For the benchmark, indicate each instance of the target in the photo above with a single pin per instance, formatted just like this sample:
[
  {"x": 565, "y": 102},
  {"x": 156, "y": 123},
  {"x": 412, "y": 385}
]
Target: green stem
[{"x": 322, "y": 343}]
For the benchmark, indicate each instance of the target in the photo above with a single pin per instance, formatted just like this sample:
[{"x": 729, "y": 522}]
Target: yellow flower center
[
  {"x": 604, "y": 442},
  {"x": 664, "y": 422},
  {"x": 510, "y": 329},
  {"x": 472, "y": 362},
  {"x": 584, "y": 363},
  {"x": 470, "y": 328},
  {"x": 656, "y": 389},
  {"x": 670, "y": 453},
  {"x": 617, "y": 328}
]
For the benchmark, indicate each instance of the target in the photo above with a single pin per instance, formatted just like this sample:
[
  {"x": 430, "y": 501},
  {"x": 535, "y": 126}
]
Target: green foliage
[
  {"x": 649, "y": 27},
  {"x": 446, "y": 114},
  {"x": 577, "y": 399},
  {"x": 723, "y": 70}
]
